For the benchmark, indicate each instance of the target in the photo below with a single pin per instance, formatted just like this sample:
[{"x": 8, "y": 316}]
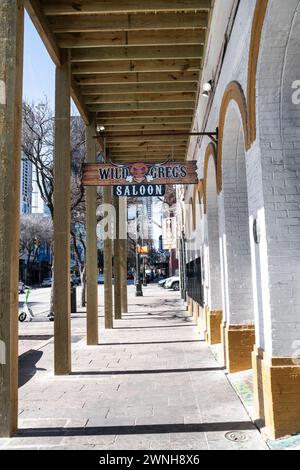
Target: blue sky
[{"x": 39, "y": 70}]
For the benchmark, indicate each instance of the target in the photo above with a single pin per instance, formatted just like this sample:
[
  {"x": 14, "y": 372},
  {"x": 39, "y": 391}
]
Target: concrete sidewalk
[{"x": 151, "y": 384}]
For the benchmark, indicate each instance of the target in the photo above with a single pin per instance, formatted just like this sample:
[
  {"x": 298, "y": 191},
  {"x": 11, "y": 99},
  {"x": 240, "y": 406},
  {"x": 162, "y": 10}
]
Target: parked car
[
  {"x": 162, "y": 282},
  {"x": 47, "y": 282},
  {"x": 22, "y": 287},
  {"x": 172, "y": 283}
]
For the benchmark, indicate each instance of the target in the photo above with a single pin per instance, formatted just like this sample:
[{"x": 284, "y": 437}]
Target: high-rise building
[
  {"x": 26, "y": 186},
  {"x": 38, "y": 205},
  {"x": 149, "y": 214}
]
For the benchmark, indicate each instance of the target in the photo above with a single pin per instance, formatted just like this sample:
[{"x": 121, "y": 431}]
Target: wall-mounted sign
[
  {"x": 140, "y": 190},
  {"x": 169, "y": 231},
  {"x": 108, "y": 174},
  {"x": 142, "y": 250}
]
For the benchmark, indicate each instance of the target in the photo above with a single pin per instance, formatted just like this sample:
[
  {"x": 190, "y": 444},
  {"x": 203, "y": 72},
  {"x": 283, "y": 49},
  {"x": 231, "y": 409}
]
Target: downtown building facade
[
  {"x": 241, "y": 225},
  {"x": 32, "y": 204}
]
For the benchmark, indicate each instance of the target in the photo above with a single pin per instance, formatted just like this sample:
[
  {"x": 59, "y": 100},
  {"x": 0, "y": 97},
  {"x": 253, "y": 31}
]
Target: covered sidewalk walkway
[{"x": 151, "y": 384}]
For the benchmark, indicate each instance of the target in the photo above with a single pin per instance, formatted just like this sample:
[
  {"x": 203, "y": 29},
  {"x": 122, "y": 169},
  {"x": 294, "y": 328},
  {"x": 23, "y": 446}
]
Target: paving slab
[{"x": 151, "y": 383}]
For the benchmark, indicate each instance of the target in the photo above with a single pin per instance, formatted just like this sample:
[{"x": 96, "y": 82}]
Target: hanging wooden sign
[
  {"x": 109, "y": 174},
  {"x": 140, "y": 190}
]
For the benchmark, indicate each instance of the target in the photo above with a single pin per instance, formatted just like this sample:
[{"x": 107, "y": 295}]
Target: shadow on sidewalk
[
  {"x": 35, "y": 337},
  {"x": 154, "y": 326},
  {"x": 153, "y": 342},
  {"x": 155, "y": 371},
  {"x": 27, "y": 366},
  {"x": 138, "y": 429}
]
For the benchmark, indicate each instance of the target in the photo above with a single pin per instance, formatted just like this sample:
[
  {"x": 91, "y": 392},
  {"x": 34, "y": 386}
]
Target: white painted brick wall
[
  {"x": 236, "y": 222},
  {"x": 272, "y": 169},
  {"x": 234, "y": 68},
  {"x": 279, "y": 133},
  {"x": 213, "y": 265}
]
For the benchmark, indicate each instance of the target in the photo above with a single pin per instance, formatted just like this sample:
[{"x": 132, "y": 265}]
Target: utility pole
[
  {"x": 138, "y": 285},
  {"x": 143, "y": 257}
]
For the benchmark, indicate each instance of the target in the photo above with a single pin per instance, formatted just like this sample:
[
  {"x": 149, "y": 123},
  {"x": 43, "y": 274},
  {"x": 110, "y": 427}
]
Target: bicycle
[{"x": 26, "y": 310}]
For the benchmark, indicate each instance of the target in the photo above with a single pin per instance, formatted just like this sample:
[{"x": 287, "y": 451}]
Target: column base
[
  {"x": 257, "y": 359},
  {"x": 223, "y": 341},
  {"x": 239, "y": 343},
  {"x": 205, "y": 322},
  {"x": 213, "y": 326},
  {"x": 189, "y": 305},
  {"x": 201, "y": 322},
  {"x": 195, "y": 311},
  {"x": 277, "y": 390}
]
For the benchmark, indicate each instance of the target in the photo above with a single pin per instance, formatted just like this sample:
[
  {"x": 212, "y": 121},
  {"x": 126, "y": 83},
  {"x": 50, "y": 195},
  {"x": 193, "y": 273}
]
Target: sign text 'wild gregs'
[{"x": 109, "y": 174}]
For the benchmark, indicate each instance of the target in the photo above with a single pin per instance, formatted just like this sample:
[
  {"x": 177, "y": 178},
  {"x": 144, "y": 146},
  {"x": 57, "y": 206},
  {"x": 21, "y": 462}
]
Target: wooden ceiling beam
[
  {"x": 79, "y": 102},
  {"x": 99, "y": 54},
  {"x": 131, "y": 88},
  {"x": 142, "y": 98},
  {"x": 147, "y": 128},
  {"x": 140, "y": 126},
  {"x": 131, "y": 38},
  {"x": 156, "y": 159},
  {"x": 145, "y": 159},
  {"x": 131, "y": 157},
  {"x": 124, "y": 66},
  {"x": 163, "y": 113},
  {"x": 151, "y": 149},
  {"x": 138, "y": 78},
  {"x": 148, "y": 144},
  {"x": 134, "y": 22},
  {"x": 129, "y": 122},
  {"x": 148, "y": 153},
  {"x": 169, "y": 139},
  {"x": 80, "y": 7},
  {"x": 98, "y": 107}
]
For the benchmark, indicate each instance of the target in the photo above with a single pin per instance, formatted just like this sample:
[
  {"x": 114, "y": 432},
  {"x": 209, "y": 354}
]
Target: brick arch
[
  {"x": 257, "y": 27},
  {"x": 211, "y": 152},
  {"x": 192, "y": 212},
  {"x": 195, "y": 193},
  {"x": 200, "y": 190},
  {"x": 233, "y": 92}
]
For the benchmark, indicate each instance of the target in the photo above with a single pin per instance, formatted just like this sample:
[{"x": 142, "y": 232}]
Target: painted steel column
[
  {"x": 107, "y": 263},
  {"x": 91, "y": 244},
  {"x": 62, "y": 217},
  {"x": 124, "y": 253},
  {"x": 117, "y": 263},
  {"x": 11, "y": 72}
]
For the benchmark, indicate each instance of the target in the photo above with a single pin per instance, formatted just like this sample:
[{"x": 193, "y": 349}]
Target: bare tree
[
  {"x": 38, "y": 147},
  {"x": 36, "y": 231}
]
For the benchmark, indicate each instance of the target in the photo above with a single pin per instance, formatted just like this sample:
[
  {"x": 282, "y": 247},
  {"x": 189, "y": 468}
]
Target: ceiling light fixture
[{"x": 208, "y": 86}]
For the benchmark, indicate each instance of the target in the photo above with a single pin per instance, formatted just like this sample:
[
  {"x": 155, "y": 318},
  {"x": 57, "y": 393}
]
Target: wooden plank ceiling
[{"x": 136, "y": 63}]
